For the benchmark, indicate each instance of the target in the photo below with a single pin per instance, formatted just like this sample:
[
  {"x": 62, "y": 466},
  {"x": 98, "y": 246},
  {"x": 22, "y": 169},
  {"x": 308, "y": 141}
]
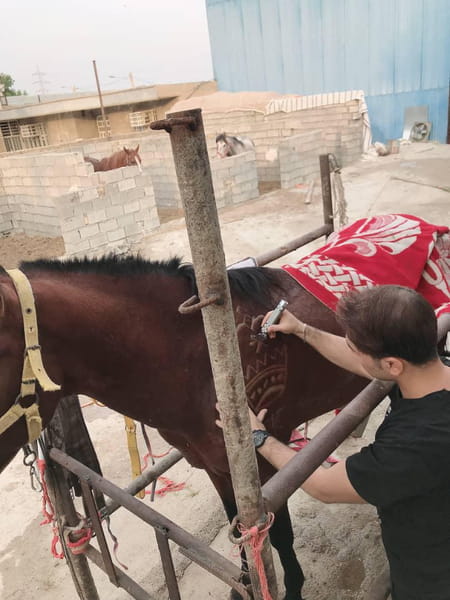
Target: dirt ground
[{"x": 338, "y": 545}]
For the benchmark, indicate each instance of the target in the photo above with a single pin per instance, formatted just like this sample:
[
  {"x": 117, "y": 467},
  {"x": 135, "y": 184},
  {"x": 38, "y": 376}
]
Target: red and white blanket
[{"x": 390, "y": 249}]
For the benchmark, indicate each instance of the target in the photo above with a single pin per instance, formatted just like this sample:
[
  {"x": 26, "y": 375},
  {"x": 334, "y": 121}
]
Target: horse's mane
[{"x": 249, "y": 282}]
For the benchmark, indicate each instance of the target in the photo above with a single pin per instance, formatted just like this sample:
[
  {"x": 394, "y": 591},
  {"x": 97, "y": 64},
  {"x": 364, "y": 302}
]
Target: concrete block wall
[
  {"x": 156, "y": 154},
  {"x": 235, "y": 179},
  {"x": 6, "y": 222},
  {"x": 34, "y": 215},
  {"x": 40, "y": 195},
  {"x": 48, "y": 174},
  {"x": 338, "y": 123},
  {"x": 299, "y": 156},
  {"x": 110, "y": 216}
]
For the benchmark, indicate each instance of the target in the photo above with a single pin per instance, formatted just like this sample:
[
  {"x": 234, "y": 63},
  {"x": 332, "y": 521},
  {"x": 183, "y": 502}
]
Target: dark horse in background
[
  {"x": 126, "y": 157},
  {"x": 230, "y": 145},
  {"x": 110, "y": 328}
]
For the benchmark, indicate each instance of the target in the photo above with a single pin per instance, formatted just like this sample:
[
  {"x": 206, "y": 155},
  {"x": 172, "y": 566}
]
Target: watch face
[{"x": 259, "y": 437}]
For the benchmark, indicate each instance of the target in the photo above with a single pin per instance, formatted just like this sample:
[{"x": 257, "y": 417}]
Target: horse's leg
[
  {"x": 225, "y": 491},
  {"x": 282, "y": 539}
]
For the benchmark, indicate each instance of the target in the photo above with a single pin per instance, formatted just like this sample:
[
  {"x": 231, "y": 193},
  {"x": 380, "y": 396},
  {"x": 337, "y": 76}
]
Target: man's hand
[
  {"x": 287, "y": 324},
  {"x": 256, "y": 421}
]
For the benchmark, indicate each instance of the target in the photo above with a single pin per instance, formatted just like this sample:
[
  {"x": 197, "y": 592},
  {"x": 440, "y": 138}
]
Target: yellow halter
[{"x": 33, "y": 368}]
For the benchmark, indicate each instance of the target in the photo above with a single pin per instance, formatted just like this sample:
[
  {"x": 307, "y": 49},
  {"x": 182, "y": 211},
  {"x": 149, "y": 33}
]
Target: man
[{"x": 390, "y": 334}]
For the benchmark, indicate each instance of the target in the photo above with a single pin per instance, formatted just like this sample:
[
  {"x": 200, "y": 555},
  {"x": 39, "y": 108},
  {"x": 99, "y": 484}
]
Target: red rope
[
  {"x": 48, "y": 511},
  {"x": 151, "y": 455},
  {"x": 169, "y": 486},
  {"x": 256, "y": 544},
  {"x": 82, "y": 537}
]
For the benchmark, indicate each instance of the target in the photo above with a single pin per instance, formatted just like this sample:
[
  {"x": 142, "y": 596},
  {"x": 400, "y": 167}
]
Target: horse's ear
[
  {"x": 137, "y": 148},
  {"x": 125, "y": 149}
]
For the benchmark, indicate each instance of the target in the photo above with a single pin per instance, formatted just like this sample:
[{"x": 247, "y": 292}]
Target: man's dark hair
[{"x": 390, "y": 320}]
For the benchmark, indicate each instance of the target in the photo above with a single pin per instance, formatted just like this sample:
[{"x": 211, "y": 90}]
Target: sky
[{"x": 159, "y": 41}]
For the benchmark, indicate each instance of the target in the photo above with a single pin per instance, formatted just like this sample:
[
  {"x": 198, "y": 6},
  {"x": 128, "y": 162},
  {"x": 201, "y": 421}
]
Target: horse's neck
[{"x": 95, "y": 331}]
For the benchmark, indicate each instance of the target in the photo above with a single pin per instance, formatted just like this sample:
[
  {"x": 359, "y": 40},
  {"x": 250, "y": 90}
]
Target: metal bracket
[
  {"x": 191, "y": 305},
  {"x": 167, "y": 124}
]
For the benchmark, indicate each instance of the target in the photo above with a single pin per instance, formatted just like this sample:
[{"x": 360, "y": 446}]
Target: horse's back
[{"x": 93, "y": 161}]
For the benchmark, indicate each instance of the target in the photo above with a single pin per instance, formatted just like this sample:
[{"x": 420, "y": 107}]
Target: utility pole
[
  {"x": 102, "y": 108},
  {"x": 131, "y": 78},
  {"x": 39, "y": 81}
]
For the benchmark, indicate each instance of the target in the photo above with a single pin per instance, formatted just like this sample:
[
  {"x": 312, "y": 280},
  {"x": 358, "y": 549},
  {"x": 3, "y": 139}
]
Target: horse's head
[
  {"x": 133, "y": 157},
  {"x": 17, "y": 373},
  {"x": 222, "y": 146}
]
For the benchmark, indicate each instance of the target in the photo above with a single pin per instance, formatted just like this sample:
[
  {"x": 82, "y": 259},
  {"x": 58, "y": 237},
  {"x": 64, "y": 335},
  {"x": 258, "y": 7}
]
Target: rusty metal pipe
[
  {"x": 196, "y": 188},
  {"x": 327, "y": 199},
  {"x": 284, "y": 483},
  {"x": 145, "y": 478},
  {"x": 270, "y": 255},
  {"x": 206, "y": 557}
]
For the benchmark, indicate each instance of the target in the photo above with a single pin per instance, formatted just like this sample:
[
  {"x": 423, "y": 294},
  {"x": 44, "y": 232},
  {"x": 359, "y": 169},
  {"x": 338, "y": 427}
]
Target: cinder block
[
  {"x": 131, "y": 207},
  {"x": 126, "y": 184},
  {"x": 115, "y": 235},
  {"x": 113, "y": 212},
  {"x": 98, "y": 240},
  {"x": 89, "y": 230},
  {"x": 108, "y": 225},
  {"x": 96, "y": 216}
]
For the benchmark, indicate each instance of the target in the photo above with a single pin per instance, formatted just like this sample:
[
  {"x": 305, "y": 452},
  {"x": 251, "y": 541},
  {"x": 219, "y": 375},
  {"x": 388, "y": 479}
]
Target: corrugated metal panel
[{"x": 397, "y": 51}]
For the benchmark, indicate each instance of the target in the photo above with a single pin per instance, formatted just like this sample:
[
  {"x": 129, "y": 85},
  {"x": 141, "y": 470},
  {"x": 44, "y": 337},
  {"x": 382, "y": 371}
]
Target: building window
[
  {"x": 103, "y": 127},
  {"x": 21, "y": 136},
  {"x": 140, "y": 121}
]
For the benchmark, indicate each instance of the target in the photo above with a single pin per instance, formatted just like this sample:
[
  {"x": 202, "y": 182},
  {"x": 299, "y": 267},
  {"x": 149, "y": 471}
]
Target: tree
[{"x": 8, "y": 82}]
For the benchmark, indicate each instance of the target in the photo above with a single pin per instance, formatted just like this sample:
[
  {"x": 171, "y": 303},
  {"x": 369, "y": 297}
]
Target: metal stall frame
[{"x": 195, "y": 549}]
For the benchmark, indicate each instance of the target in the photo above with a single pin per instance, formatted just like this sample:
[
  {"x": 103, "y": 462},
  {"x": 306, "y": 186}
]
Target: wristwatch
[{"x": 259, "y": 437}]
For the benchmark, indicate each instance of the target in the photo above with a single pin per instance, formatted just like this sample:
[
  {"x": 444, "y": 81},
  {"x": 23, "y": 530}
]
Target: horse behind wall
[
  {"x": 126, "y": 157},
  {"x": 230, "y": 145}
]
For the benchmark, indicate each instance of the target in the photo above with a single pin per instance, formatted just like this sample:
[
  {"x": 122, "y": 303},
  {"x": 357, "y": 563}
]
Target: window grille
[{"x": 140, "y": 121}]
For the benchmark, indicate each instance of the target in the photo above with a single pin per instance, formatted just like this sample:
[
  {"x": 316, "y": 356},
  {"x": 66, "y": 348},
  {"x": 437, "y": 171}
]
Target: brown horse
[
  {"x": 126, "y": 157},
  {"x": 110, "y": 328}
]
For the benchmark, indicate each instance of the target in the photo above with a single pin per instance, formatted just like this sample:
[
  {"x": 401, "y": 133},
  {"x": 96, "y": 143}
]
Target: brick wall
[
  {"x": 117, "y": 212},
  {"x": 340, "y": 124},
  {"x": 59, "y": 194},
  {"x": 298, "y": 156},
  {"x": 235, "y": 179}
]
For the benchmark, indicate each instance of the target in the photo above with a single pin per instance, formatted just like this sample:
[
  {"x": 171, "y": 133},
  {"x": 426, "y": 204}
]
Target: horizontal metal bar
[
  {"x": 125, "y": 582},
  {"x": 283, "y": 484},
  {"x": 269, "y": 256},
  {"x": 226, "y": 570},
  {"x": 141, "y": 482}
]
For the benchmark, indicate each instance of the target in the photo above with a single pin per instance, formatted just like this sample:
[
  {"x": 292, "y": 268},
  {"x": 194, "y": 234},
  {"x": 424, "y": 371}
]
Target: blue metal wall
[{"x": 397, "y": 51}]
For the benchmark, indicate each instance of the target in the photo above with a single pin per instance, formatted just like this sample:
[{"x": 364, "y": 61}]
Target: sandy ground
[{"x": 339, "y": 546}]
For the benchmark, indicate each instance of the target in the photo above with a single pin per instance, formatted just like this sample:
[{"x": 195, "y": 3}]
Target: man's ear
[{"x": 393, "y": 365}]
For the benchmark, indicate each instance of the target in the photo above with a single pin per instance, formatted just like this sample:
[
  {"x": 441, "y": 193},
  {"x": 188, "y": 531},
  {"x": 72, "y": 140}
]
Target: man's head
[{"x": 390, "y": 321}]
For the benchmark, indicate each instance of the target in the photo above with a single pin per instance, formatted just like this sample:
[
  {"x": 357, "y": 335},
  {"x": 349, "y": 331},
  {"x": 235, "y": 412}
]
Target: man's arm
[
  {"x": 332, "y": 347},
  {"x": 330, "y": 485},
  {"x": 327, "y": 485}
]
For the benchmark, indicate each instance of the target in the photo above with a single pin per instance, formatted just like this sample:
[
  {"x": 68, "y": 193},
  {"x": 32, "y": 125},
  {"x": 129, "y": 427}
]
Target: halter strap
[{"x": 33, "y": 368}]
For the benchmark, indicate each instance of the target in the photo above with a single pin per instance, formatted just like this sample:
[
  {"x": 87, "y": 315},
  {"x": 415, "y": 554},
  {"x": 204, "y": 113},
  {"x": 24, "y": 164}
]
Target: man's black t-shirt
[{"x": 405, "y": 473}]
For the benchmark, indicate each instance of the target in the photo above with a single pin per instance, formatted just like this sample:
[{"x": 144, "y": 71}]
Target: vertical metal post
[
  {"x": 195, "y": 182},
  {"x": 327, "y": 199},
  {"x": 167, "y": 563},
  {"x": 64, "y": 507},
  {"x": 97, "y": 525},
  {"x": 102, "y": 108}
]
